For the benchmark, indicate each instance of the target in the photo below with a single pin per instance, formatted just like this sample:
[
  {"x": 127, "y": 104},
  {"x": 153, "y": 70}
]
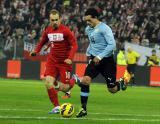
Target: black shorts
[
  {"x": 131, "y": 68},
  {"x": 106, "y": 67}
]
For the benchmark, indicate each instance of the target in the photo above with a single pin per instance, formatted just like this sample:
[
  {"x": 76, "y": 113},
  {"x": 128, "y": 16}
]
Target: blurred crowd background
[{"x": 134, "y": 21}]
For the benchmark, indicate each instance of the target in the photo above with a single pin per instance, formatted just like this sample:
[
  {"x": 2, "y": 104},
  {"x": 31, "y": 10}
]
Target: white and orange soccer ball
[{"x": 66, "y": 110}]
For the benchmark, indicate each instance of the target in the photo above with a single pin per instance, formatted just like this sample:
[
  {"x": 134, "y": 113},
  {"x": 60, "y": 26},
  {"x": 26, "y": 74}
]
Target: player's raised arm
[{"x": 40, "y": 44}]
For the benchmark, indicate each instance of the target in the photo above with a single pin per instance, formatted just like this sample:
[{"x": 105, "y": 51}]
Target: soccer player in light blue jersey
[{"x": 100, "y": 52}]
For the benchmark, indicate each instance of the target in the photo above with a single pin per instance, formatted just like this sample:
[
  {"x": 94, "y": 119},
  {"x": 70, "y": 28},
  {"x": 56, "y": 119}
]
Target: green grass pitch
[{"x": 26, "y": 102}]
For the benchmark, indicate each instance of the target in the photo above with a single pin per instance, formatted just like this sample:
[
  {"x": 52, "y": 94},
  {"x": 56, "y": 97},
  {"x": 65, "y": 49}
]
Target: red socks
[{"x": 53, "y": 95}]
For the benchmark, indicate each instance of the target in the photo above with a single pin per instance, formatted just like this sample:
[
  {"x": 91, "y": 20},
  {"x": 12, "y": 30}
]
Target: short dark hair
[
  {"x": 54, "y": 12},
  {"x": 92, "y": 12}
]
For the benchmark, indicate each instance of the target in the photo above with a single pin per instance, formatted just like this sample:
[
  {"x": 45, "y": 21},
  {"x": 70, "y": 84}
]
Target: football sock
[
  {"x": 84, "y": 96},
  {"x": 52, "y": 93}
]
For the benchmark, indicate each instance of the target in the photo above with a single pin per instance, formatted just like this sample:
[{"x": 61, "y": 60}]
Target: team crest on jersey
[{"x": 55, "y": 37}]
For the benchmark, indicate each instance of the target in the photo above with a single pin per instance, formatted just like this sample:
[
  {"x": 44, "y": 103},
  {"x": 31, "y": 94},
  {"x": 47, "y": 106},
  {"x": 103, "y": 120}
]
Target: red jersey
[{"x": 62, "y": 42}]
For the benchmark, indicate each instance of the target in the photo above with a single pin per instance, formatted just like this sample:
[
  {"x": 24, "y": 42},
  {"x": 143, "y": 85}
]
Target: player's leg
[
  {"x": 108, "y": 70},
  {"x": 90, "y": 73},
  {"x": 66, "y": 83},
  {"x": 84, "y": 94},
  {"x": 66, "y": 95},
  {"x": 52, "y": 93}
]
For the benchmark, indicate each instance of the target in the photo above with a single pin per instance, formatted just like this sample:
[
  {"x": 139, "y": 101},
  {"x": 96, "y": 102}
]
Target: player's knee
[
  {"x": 49, "y": 81},
  {"x": 112, "y": 90},
  {"x": 86, "y": 80}
]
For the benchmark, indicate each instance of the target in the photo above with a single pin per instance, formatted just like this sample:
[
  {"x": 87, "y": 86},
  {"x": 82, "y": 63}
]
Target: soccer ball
[{"x": 66, "y": 110}]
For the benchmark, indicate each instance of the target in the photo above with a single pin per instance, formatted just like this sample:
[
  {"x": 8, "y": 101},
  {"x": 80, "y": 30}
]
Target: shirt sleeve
[
  {"x": 109, "y": 38},
  {"x": 87, "y": 51},
  {"x": 73, "y": 42},
  {"x": 89, "y": 46},
  {"x": 43, "y": 40}
]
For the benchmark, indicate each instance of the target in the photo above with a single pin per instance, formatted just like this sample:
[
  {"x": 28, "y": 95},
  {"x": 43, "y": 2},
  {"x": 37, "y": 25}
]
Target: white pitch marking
[
  {"x": 94, "y": 119},
  {"x": 38, "y": 110},
  {"x": 138, "y": 115},
  {"x": 32, "y": 110}
]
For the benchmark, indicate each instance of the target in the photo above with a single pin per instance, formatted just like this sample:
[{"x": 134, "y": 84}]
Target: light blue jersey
[{"x": 101, "y": 40}]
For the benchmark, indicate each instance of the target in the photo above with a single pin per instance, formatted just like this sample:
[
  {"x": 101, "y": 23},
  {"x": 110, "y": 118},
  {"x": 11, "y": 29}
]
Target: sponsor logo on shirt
[{"x": 55, "y": 37}]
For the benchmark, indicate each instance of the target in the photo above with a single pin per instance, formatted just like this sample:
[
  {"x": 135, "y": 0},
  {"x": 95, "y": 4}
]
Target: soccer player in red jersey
[{"x": 63, "y": 46}]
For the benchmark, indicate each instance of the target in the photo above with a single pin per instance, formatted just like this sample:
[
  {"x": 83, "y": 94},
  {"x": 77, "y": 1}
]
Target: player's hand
[
  {"x": 32, "y": 54},
  {"x": 68, "y": 61},
  {"x": 45, "y": 48},
  {"x": 96, "y": 60}
]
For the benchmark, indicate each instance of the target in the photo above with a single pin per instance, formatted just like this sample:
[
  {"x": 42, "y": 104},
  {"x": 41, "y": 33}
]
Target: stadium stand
[{"x": 136, "y": 21}]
